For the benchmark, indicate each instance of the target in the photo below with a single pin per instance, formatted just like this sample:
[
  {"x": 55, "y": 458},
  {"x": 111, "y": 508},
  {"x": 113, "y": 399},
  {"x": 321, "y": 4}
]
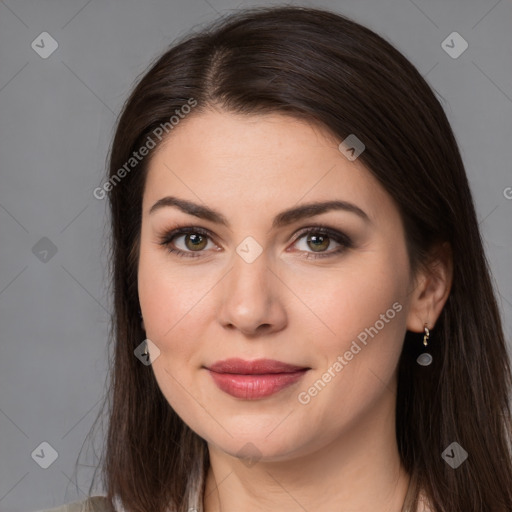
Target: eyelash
[{"x": 344, "y": 241}]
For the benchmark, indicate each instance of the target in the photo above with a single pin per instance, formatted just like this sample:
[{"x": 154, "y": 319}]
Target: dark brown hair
[{"x": 321, "y": 67}]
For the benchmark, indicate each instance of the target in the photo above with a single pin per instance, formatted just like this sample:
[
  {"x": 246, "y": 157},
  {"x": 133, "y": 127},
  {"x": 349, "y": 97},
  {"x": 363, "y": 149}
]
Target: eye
[
  {"x": 320, "y": 238},
  {"x": 317, "y": 238},
  {"x": 195, "y": 239}
]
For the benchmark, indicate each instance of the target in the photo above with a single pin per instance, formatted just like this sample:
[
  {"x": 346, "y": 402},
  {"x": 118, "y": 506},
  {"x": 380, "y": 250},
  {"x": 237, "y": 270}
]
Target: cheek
[
  {"x": 364, "y": 309},
  {"x": 165, "y": 297},
  {"x": 352, "y": 299},
  {"x": 355, "y": 366},
  {"x": 171, "y": 305}
]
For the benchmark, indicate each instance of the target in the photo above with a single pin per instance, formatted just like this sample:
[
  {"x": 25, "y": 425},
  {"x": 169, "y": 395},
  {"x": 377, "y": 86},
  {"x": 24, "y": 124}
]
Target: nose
[{"x": 251, "y": 297}]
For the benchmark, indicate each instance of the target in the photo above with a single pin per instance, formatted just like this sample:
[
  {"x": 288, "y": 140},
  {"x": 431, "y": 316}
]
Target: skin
[{"x": 338, "y": 452}]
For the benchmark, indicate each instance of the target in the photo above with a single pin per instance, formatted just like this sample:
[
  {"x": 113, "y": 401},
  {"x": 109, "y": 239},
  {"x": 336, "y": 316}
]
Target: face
[{"x": 326, "y": 292}]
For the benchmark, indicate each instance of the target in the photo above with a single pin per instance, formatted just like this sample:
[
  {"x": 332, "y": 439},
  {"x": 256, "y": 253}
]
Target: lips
[
  {"x": 258, "y": 366},
  {"x": 252, "y": 380}
]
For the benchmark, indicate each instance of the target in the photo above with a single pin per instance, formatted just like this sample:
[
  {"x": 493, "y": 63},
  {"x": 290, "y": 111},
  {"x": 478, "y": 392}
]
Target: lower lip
[{"x": 252, "y": 387}]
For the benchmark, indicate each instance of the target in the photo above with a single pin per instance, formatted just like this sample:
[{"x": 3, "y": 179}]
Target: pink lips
[{"x": 256, "y": 379}]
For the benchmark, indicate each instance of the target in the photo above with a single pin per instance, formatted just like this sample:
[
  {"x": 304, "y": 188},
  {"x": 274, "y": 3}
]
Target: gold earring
[{"x": 425, "y": 359}]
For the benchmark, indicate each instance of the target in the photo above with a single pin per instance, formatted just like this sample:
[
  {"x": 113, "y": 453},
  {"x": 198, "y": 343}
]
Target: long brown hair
[{"x": 319, "y": 66}]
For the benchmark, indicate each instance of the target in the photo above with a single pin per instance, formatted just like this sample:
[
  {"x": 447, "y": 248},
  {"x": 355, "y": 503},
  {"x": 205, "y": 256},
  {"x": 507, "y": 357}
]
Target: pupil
[
  {"x": 196, "y": 240},
  {"x": 319, "y": 238}
]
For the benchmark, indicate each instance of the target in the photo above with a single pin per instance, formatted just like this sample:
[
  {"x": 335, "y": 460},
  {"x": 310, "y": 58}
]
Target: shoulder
[{"x": 90, "y": 504}]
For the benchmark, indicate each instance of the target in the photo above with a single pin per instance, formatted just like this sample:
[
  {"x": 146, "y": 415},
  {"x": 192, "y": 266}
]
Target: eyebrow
[{"x": 284, "y": 218}]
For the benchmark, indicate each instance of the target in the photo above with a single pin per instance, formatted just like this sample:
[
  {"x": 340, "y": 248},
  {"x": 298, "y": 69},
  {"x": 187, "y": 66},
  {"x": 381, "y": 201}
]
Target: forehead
[
  {"x": 257, "y": 162},
  {"x": 236, "y": 137}
]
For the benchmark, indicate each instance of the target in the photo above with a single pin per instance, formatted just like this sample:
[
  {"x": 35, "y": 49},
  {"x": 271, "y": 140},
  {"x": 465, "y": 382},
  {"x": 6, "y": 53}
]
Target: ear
[{"x": 432, "y": 288}]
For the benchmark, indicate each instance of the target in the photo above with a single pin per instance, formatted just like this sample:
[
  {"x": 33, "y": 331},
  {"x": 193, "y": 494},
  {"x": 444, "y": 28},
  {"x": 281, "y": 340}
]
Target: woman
[{"x": 304, "y": 317}]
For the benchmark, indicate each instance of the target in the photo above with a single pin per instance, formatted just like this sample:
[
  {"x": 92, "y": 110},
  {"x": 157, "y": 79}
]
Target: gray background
[{"x": 56, "y": 122}]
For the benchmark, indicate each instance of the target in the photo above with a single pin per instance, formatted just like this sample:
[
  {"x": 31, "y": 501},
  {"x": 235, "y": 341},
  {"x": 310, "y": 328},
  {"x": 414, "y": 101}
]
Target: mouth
[{"x": 252, "y": 380}]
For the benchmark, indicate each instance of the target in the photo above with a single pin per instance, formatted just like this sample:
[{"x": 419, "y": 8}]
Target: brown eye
[
  {"x": 195, "y": 242},
  {"x": 318, "y": 242},
  {"x": 318, "y": 239}
]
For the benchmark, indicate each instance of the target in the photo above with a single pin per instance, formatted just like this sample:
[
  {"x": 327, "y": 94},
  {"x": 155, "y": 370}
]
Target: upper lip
[{"x": 257, "y": 366}]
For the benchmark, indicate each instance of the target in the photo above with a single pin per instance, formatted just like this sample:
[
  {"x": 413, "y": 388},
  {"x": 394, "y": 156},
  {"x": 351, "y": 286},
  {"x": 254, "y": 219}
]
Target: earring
[
  {"x": 146, "y": 349},
  {"x": 425, "y": 359}
]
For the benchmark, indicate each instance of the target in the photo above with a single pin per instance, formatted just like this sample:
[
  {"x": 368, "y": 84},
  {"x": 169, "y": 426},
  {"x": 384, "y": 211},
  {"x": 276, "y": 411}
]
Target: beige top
[{"x": 100, "y": 504}]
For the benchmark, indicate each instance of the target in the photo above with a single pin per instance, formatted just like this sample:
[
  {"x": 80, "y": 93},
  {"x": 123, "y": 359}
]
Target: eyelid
[{"x": 321, "y": 228}]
